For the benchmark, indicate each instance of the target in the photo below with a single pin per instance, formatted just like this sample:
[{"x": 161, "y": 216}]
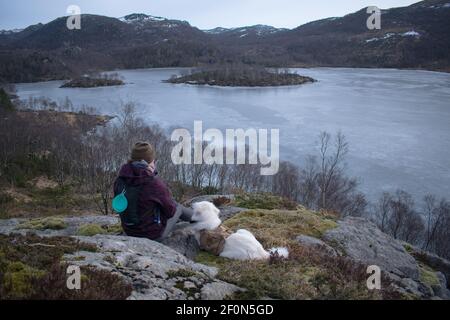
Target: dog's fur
[{"x": 241, "y": 245}]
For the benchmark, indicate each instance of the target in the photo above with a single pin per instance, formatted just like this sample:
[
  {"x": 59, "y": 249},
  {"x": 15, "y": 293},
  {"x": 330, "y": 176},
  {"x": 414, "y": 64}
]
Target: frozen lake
[{"x": 397, "y": 122}]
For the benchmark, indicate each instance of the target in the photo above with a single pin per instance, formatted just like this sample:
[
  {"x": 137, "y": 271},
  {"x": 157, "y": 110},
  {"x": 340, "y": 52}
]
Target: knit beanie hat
[{"x": 143, "y": 151}]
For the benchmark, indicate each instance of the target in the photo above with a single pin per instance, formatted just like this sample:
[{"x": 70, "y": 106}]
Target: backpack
[{"x": 130, "y": 213}]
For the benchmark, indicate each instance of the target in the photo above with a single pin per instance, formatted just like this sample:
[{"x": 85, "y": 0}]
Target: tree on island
[{"x": 241, "y": 75}]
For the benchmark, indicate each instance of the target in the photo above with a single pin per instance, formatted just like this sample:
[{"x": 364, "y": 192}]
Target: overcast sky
[{"x": 204, "y": 14}]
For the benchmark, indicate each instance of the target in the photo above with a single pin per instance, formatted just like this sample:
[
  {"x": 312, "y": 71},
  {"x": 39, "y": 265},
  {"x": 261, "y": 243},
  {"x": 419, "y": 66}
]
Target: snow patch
[
  {"x": 140, "y": 17},
  {"x": 10, "y": 31},
  {"x": 442, "y": 6},
  {"x": 386, "y": 36},
  {"x": 411, "y": 33}
]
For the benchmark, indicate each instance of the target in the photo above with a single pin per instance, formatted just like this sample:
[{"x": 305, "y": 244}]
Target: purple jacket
[{"x": 154, "y": 193}]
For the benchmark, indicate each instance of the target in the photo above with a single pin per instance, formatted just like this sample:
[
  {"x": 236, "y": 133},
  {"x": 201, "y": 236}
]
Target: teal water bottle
[{"x": 120, "y": 203}]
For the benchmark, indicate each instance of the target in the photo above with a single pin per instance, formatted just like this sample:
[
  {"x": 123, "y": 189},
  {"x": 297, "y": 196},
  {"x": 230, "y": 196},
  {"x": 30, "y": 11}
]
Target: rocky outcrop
[
  {"x": 167, "y": 271},
  {"x": 155, "y": 271},
  {"x": 412, "y": 274},
  {"x": 437, "y": 263},
  {"x": 316, "y": 244},
  {"x": 183, "y": 241},
  {"x": 363, "y": 241},
  {"x": 69, "y": 226}
]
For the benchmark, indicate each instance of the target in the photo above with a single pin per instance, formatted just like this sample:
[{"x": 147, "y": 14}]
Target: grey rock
[
  {"x": 12, "y": 226},
  {"x": 363, "y": 241},
  {"x": 188, "y": 285},
  {"x": 317, "y": 244},
  {"x": 146, "y": 254},
  {"x": 432, "y": 260},
  {"x": 441, "y": 290},
  {"x": 7, "y": 226},
  {"x": 182, "y": 240},
  {"x": 228, "y": 212},
  {"x": 411, "y": 286},
  {"x": 218, "y": 290},
  {"x": 148, "y": 265}
]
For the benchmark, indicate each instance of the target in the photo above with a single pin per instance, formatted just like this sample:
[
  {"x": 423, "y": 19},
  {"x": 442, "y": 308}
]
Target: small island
[
  {"x": 94, "y": 81},
  {"x": 242, "y": 76}
]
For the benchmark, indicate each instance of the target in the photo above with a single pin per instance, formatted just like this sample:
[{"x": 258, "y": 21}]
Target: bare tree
[
  {"x": 382, "y": 211},
  {"x": 436, "y": 214},
  {"x": 330, "y": 163}
]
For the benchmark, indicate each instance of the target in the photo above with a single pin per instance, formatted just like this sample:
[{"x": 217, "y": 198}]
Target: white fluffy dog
[{"x": 241, "y": 245}]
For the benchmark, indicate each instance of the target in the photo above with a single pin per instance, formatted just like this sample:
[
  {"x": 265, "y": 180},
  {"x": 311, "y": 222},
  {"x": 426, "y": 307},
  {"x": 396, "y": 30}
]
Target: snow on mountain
[
  {"x": 7, "y": 32},
  {"x": 140, "y": 17}
]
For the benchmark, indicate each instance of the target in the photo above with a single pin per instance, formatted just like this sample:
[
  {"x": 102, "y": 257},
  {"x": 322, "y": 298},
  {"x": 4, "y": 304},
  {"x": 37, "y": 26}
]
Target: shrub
[
  {"x": 210, "y": 190},
  {"x": 31, "y": 268},
  {"x": 95, "y": 285},
  {"x": 59, "y": 197},
  {"x": 5, "y": 202},
  {"x": 23, "y": 168},
  {"x": 5, "y": 101}
]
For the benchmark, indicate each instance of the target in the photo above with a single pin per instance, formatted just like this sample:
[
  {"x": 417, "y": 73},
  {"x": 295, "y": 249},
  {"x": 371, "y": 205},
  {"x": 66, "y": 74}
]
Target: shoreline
[{"x": 289, "y": 67}]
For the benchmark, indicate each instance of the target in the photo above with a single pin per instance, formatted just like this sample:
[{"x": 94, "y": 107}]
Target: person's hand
[{"x": 152, "y": 166}]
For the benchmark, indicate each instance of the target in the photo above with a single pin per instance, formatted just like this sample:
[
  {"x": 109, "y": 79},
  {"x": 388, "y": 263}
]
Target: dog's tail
[{"x": 280, "y": 251}]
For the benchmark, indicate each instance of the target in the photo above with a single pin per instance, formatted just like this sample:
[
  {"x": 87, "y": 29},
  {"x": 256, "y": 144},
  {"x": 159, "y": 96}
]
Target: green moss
[
  {"x": 263, "y": 201},
  {"x": 18, "y": 278},
  {"x": 209, "y": 259},
  {"x": 408, "y": 248},
  {"x": 428, "y": 276},
  {"x": 79, "y": 258},
  {"x": 90, "y": 230},
  {"x": 114, "y": 229},
  {"x": 182, "y": 273},
  {"x": 409, "y": 296},
  {"x": 31, "y": 268},
  {"x": 190, "y": 292},
  {"x": 52, "y": 223}
]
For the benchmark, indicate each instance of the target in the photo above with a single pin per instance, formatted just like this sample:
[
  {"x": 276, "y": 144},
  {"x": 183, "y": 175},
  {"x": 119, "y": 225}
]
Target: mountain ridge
[{"x": 416, "y": 37}]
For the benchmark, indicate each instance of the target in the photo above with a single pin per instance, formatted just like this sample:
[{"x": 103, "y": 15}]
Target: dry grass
[
  {"x": 307, "y": 274},
  {"x": 263, "y": 201},
  {"x": 280, "y": 227}
]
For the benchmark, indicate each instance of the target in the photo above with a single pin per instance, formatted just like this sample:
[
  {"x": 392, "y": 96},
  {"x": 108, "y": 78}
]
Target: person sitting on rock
[{"x": 151, "y": 213}]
